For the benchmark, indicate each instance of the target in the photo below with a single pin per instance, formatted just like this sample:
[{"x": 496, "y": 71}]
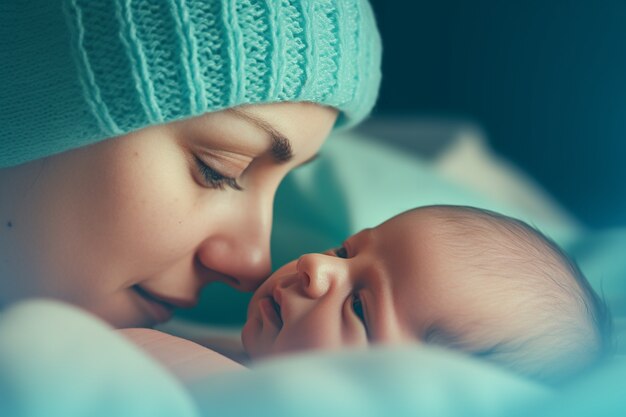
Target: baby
[
  {"x": 464, "y": 278},
  {"x": 460, "y": 277}
]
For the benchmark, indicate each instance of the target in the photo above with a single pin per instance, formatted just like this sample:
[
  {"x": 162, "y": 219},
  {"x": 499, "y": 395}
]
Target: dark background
[{"x": 546, "y": 79}]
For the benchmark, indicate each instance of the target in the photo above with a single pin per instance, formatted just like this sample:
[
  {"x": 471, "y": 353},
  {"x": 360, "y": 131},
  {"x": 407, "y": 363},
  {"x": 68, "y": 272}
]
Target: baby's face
[{"x": 395, "y": 283}]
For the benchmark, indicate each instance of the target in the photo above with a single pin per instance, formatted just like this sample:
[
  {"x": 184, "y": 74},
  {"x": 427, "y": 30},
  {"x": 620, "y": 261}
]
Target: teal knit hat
[{"x": 74, "y": 72}]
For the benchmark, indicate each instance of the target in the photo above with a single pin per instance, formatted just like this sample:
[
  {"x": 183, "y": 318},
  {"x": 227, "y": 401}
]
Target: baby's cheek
[{"x": 304, "y": 337}]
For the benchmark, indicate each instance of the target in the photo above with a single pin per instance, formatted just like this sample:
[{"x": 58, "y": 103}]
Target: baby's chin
[
  {"x": 252, "y": 330},
  {"x": 246, "y": 339},
  {"x": 253, "y": 339}
]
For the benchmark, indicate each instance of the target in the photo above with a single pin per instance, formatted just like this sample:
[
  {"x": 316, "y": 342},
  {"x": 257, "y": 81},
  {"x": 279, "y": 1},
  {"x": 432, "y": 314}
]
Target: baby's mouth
[
  {"x": 277, "y": 310},
  {"x": 271, "y": 312}
]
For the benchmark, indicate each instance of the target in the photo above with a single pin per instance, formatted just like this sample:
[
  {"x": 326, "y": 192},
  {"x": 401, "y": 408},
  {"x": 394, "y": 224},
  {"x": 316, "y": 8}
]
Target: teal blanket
[
  {"x": 357, "y": 183},
  {"x": 354, "y": 184}
]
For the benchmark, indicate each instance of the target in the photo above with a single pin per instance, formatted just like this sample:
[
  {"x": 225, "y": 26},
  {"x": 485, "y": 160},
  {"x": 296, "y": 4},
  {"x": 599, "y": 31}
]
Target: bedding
[
  {"x": 57, "y": 361},
  {"x": 357, "y": 183}
]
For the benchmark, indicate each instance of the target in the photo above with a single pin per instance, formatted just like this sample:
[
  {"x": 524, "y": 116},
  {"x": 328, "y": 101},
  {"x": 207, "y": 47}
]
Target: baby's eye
[
  {"x": 341, "y": 252},
  {"x": 357, "y": 307}
]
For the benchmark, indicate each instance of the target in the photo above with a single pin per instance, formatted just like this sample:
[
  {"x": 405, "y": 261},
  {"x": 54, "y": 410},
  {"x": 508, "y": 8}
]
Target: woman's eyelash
[{"x": 214, "y": 179}]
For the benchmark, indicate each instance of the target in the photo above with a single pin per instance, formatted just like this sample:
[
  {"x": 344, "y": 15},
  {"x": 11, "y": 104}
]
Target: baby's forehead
[
  {"x": 472, "y": 225},
  {"x": 435, "y": 224},
  {"x": 444, "y": 214},
  {"x": 471, "y": 246}
]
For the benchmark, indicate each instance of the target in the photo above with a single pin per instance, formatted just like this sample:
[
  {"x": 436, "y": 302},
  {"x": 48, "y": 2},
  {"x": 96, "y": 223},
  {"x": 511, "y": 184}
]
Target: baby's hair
[{"x": 571, "y": 325}]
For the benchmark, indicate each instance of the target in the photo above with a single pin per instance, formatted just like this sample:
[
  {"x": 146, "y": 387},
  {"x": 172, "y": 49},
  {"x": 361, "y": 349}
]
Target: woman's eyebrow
[{"x": 281, "y": 146}]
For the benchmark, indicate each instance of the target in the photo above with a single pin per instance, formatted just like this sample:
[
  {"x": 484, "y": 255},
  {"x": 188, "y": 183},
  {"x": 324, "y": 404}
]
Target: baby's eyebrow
[
  {"x": 439, "y": 335},
  {"x": 281, "y": 148},
  {"x": 489, "y": 351},
  {"x": 436, "y": 335}
]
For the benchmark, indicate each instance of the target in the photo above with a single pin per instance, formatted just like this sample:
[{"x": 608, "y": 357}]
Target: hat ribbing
[{"x": 75, "y": 72}]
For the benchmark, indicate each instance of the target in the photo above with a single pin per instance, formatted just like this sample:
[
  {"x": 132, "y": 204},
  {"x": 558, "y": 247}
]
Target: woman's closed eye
[{"x": 213, "y": 179}]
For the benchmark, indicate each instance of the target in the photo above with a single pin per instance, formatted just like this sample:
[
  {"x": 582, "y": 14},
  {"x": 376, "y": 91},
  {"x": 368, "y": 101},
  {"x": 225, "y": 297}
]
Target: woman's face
[{"x": 130, "y": 228}]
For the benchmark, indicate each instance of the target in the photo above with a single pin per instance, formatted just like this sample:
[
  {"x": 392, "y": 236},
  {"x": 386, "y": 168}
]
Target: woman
[
  {"x": 205, "y": 106},
  {"x": 140, "y": 150}
]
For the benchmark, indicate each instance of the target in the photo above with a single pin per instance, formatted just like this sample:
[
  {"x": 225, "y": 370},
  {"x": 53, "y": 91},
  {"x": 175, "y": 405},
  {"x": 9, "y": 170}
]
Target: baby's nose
[{"x": 319, "y": 273}]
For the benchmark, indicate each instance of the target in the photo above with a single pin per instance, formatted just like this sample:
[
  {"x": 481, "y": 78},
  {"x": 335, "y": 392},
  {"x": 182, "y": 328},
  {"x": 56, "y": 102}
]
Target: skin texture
[
  {"x": 411, "y": 285},
  {"x": 455, "y": 277},
  {"x": 185, "y": 359},
  {"x": 130, "y": 227}
]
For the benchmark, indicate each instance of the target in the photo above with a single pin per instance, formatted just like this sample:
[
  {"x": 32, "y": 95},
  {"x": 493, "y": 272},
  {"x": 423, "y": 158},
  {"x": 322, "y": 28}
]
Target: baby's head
[{"x": 460, "y": 277}]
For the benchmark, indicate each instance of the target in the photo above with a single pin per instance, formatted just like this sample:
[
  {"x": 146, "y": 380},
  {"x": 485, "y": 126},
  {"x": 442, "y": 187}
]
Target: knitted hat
[{"x": 74, "y": 72}]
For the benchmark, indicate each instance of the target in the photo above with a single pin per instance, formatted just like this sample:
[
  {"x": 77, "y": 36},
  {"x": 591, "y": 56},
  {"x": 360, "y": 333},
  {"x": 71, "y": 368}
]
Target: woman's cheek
[
  {"x": 144, "y": 211},
  {"x": 155, "y": 219}
]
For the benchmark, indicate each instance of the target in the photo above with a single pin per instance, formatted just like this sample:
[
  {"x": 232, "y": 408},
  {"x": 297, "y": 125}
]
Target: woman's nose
[
  {"x": 320, "y": 273},
  {"x": 238, "y": 252}
]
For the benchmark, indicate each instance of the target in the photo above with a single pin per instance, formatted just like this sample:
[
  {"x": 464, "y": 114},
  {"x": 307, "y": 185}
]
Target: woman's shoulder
[{"x": 187, "y": 360}]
